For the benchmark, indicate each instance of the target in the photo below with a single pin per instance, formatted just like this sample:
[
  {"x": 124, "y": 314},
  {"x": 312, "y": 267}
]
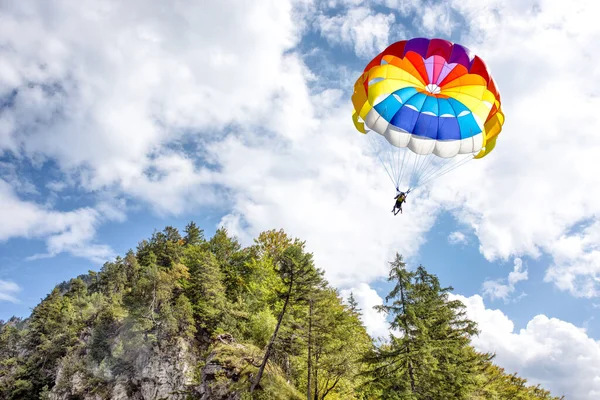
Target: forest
[{"x": 189, "y": 317}]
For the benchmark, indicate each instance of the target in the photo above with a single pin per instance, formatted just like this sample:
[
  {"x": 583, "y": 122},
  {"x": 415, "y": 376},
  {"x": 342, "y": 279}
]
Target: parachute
[{"x": 434, "y": 106}]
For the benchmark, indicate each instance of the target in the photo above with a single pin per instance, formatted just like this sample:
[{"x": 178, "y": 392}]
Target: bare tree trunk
[
  {"x": 329, "y": 389},
  {"x": 273, "y": 337},
  {"x": 317, "y": 356},
  {"x": 310, "y": 310},
  {"x": 410, "y": 367}
]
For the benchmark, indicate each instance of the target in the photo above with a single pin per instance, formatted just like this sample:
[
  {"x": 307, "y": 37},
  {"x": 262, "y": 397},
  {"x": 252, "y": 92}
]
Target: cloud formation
[
  {"x": 72, "y": 232},
  {"x": 497, "y": 289},
  {"x": 554, "y": 353},
  {"x": 361, "y": 28},
  {"x": 457, "y": 237},
  {"x": 8, "y": 291}
]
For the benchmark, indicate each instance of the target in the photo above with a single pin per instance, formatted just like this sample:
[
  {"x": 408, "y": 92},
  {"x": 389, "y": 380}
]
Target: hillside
[{"x": 184, "y": 317}]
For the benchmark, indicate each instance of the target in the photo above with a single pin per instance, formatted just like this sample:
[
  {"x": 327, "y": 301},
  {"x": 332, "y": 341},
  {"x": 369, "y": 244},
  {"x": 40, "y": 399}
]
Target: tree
[
  {"x": 300, "y": 278},
  {"x": 337, "y": 343},
  {"x": 495, "y": 383},
  {"x": 430, "y": 356},
  {"x": 353, "y": 304},
  {"x": 164, "y": 248},
  {"x": 204, "y": 288},
  {"x": 193, "y": 235},
  {"x": 271, "y": 244},
  {"x": 232, "y": 262}
]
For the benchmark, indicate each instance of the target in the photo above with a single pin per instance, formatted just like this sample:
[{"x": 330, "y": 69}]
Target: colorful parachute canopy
[{"x": 430, "y": 96}]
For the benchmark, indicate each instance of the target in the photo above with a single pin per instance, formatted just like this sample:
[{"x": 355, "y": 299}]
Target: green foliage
[
  {"x": 231, "y": 260},
  {"x": 204, "y": 288},
  {"x": 261, "y": 326},
  {"x": 193, "y": 235},
  {"x": 429, "y": 356},
  {"x": 288, "y": 328}
]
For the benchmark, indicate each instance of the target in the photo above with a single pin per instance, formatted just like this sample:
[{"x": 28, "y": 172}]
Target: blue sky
[{"x": 240, "y": 117}]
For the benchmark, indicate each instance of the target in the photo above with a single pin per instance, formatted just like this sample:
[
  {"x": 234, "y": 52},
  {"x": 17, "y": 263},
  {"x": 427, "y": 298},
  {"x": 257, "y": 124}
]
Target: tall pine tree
[{"x": 428, "y": 356}]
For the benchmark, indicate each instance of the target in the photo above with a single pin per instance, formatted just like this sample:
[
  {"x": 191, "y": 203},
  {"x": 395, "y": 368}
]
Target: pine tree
[
  {"x": 231, "y": 259},
  {"x": 204, "y": 288},
  {"x": 430, "y": 356},
  {"x": 353, "y": 304},
  {"x": 193, "y": 235}
]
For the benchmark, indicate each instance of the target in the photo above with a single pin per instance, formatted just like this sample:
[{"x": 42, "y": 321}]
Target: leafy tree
[
  {"x": 495, "y": 383},
  {"x": 336, "y": 343},
  {"x": 300, "y": 278}
]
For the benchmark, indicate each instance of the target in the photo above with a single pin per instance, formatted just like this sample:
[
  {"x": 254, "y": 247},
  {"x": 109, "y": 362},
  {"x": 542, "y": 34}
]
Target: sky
[{"x": 119, "y": 118}]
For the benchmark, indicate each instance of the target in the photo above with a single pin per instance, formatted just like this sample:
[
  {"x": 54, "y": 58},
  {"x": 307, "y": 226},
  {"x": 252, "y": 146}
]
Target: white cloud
[
  {"x": 367, "y": 298},
  {"x": 10, "y": 173},
  {"x": 103, "y": 88},
  {"x": 576, "y": 266},
  {"x": 436, "y": 19},
  {"x": 517, "y": 274},
  {"x": 554, "y": 353},
  {"x": 404, "y": 7},
  {"x": 56, "y": 186},
  {"x": 8, "y": 291},
  {"x": 457, "y": 237},
  {"x": 361, "y": 28},
  {"x": 124, "y": 97},
  {"x": 497, "y": 289},
  {"x": 494, "y": 289},
  {"x": 71, "y": 231}
]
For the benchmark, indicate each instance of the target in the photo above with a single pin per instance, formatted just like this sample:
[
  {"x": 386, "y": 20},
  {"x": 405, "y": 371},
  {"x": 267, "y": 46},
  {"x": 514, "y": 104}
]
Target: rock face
[
  {"x": 220, "y": 373},
  {"x": 161, "y": 374},
  {"x": 156, "y": 374}
]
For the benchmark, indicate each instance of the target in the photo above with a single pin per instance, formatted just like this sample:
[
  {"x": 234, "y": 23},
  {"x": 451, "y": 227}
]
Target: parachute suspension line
[
  {"x": 409, "y": 172},
  {"x": 436, "y": 172},
  {"x": 398, "y": 166},
  {"x": 422, "y": 159},
  {"x": 390, "y": 155},
  {"x": 413, "y": 174},
  {"x": 436, "y": 167},
  {"x": 442, "y": 167},
  {"x": 402, "y": 168},
  {"x": 371, "y": 142},
  {"x": 428, "y": 161},
  {"x": 431, "y": 167},
  {"x": 451, "y": 168},
  {"x": 417, "y": 167},
  {"x": 391, "y": 159}
]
